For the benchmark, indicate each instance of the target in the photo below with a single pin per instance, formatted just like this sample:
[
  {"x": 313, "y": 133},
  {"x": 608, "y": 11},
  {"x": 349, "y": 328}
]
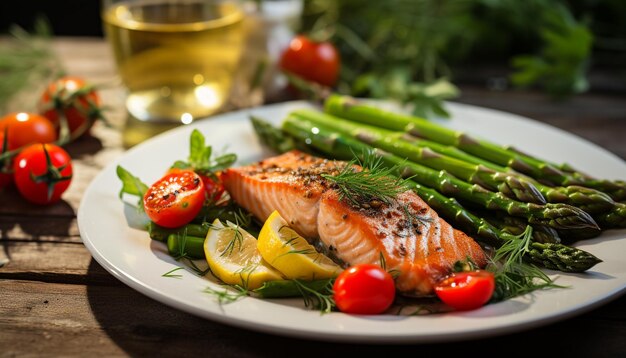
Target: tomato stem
[
  {"x": 52, "y": 175},
  {"x": 62, "y": 100}
]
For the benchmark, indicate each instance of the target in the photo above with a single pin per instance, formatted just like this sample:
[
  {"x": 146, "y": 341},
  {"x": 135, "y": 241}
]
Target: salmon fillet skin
[{"x": 414, "y": 243}]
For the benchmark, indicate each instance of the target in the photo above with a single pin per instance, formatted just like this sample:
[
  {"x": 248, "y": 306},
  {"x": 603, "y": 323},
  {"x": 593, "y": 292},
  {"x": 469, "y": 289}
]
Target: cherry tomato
[
  {"x": 25, "y": 128},
  {"x": 72, "y": 96},
  {"x": 213, "y": 186},
  {"x": 466, "y": 290},
  {"x": 314, "y": 61},
  {"x": 175, "y": 199},
  {"x": 42, "y": 178},
  {"x": 364, "y": 289}
]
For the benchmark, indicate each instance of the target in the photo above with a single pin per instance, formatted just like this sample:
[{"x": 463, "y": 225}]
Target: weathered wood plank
[
  {"x": 85, "y": 321},
  {"x": 52, "y": 262},
  {"x": 76, "y": 320},
  {"x": 36, "y": 228}
]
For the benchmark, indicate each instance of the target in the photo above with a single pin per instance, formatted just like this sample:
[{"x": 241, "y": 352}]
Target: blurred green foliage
[{"x": 410, "y": 50}]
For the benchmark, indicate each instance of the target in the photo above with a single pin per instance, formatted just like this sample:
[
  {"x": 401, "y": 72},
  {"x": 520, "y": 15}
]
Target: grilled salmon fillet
[{"x": 406, "y": 233}]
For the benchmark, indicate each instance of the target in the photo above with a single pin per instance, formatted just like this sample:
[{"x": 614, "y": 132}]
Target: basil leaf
[
  {"x": 199, "y": 155},
  {"x": 131, "y": 185}
]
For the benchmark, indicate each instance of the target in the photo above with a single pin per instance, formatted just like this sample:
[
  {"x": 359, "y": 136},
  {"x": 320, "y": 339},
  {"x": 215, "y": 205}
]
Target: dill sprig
[
  {"x": 414, "y": 219},
  {"x": 321, "y": 300},
  {"x": 314, "y": 296},
  {"x": 513, "y": 276},
  {"x": 171, "y": 273},
  {"x": 226, "y": 296},
  {"x": 244, "y": 274},
  {"x": 293, "y": 237},
  {"x": 236, "y": 242},
  {"x": 372, "y": 181},
  {"x": 383, "y": 263}
]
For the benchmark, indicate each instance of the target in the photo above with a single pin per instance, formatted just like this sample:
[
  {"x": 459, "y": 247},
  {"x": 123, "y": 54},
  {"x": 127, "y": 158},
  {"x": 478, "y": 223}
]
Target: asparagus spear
[
  {"x": 185, "y": 245},
  {"x": 616, "y": 188},
  {"x": 559, "y": 216},
  {"x": 349, "y": 108},
  {"x": 552, "y": 255},
  {"x": 160, "y": 233},
  {"x": 507, "y": 184},
  {"x": 610, "y": 213},
  {"x": 607, "y": 212},
  {"x": 515, "y": 226},
  {"x": 268, "y": 134},
  {"x": 448, "y": 150}
]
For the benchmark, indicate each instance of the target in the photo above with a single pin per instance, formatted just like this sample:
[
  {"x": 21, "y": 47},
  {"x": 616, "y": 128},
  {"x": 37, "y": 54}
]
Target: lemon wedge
[
  {"x": 232, "y": 255},
  {"x": 291, "y": 254}
]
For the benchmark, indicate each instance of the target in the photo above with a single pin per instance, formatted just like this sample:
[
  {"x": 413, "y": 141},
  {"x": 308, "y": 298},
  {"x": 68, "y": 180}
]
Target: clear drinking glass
[{"x": 177, "y": 58}]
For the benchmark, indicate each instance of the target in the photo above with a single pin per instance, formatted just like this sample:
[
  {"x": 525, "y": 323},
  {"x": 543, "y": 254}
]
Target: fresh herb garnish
[
  {"x": 171, "y": 273},
  {"x": 131, "y": 185},
  {"x": 236, "y": 242},
  {"x": 413, "y": 219},
  {"x": 288, "y": 243},
  {"x": 227, "y": 296},
  {"x": 383, "y": 263},
  {"x": 201, "y": 159},
  {"x": 372, "y": 181},
  {"x": 244, "y": 274},
  {"x": 513, "y": 276},
  {"x": 321, "y": 300},
  {"x": 317, "y": 294}
]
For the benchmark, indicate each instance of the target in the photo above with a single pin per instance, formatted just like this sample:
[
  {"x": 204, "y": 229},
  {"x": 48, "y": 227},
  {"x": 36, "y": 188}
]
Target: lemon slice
[
  {"x": 291, "y": 254},
  {"x": 232, "y": 255}
]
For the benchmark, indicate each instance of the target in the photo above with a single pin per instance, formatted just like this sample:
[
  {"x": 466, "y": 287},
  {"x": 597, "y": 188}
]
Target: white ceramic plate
[{"x": 129, "y": 254}]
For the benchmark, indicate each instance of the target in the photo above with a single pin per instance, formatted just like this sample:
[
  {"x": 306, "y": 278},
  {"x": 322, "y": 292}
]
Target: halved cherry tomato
[
  {"x": 175, "y": 199},
  {"x": 212, "y": 185},
  {"x": 25, "y": 128},
  {"x": 364, "y": 289},
  {"x": 42, "y": 173},
  {"x": 73, "y": 97},
  {"x": 314, "y": 61},
  {"x": 466, "y": 290}
]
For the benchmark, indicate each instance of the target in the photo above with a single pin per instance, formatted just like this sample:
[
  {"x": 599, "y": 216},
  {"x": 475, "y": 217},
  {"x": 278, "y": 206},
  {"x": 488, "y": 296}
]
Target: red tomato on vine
[
  {"x": 313, "y": 61},
  {"x": 24, "y": 128},
  {"x": 74, "y": 99},
  {"x": 42, "y": 173}
]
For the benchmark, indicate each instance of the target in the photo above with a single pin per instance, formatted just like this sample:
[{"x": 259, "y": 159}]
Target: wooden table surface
[{"x": 56, "y": 300}]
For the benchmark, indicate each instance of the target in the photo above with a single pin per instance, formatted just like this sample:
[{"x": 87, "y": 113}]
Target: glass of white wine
[{"x": 177, "y": 58}]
